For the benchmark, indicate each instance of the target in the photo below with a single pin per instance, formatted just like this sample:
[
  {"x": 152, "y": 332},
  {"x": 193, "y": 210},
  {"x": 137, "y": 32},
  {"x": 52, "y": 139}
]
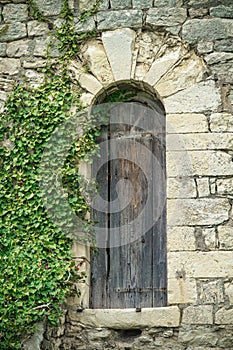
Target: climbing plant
[{"x": 36, "y": 267}]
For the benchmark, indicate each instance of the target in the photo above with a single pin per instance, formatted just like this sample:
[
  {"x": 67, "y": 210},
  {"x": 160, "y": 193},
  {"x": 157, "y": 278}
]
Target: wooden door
[{"x": 128, "y": 269}]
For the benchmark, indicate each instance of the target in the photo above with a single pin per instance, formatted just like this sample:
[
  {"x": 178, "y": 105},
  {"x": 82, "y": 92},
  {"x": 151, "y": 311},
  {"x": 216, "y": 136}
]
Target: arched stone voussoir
[
  {"x": 95, "y": 60},
  {"x": 187, "y": 71}
]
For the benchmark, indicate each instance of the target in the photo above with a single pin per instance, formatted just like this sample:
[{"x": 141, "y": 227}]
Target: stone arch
[{"x": 162, "y": 64}]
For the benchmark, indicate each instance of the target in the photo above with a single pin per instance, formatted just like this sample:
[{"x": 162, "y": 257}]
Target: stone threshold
[{"x": 128, "y": 318}]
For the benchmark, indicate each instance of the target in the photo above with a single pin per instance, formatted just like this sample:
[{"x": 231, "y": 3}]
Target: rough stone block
[
  {"x": 212, "y": 292},
  {"x": 186, "y": 123},
  {"x": 224, "y": 316},
  {"x": 181, "y": 291},
  {"x": 186, "y": 73},
  {"x": 34, "y": 78},
  {"x": 50, "y": 7},
  {"x": 225, "y": 186},
  {"x": 200, "y": 97},
  {"x": 205, "y": 46},
  {"x": 197, "y": 13},
  {"x": 9, "y": 66},
  {"x": 229, "y": 291},
  {"x": 15, "y": 12},
  {"x": 161, "y": 65},
  {"x": 180, "y": 238},
  {"x": 2, "y": 49},
  {"x": 142, "y": 4},
  {"x": 219, "y": 57},
  {"x": 36, "y": 28},
  {"x": 206, "y": 211},
  {"x": 207, "y": 29},
  {"x": 87, "y": 26},
  {"x": 95, "y": 57},
  {"x": 127, "y": 318},
  {"x": 222, "y": 11},
  {"x": 225, "y": 236},
  {"x": 221, "y": 122},
  {"x": 12, "y": 31},
  {"x": 224, "y": 45},
  {"x": 210, "y": 239},
  {"x": 201, "y": 314},
  {"x": 119, "y": 19},
  {"x": 166, "y": 16},
  {"x": 168, "y": 3},
  {"x": 199, "y": 141},
  {"x": 119, "y": 45},
  {"x": 201, "y": 336},
  {"x": 203, "y": 187},
  {"x": 181, "y": 187},
  {"x": 213, "y": 264},
  {"x": 121, "y": 4},
  {"x": 18, "y": 48},
  {"x": 90, "y": 83},
  {"x": 200, "y": 163},
  {"x": 39, "y": 63}
]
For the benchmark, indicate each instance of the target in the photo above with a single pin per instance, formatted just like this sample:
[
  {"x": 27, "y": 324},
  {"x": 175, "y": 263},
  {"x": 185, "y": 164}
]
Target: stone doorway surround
[{"x": 163, "y": 64}]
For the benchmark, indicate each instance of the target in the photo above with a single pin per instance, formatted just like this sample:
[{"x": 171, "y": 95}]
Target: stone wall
[{"x": 185, "y": 53}]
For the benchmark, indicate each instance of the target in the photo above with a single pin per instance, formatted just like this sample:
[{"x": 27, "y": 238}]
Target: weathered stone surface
[
  {"x": 41, "y": 47},
  {"x": 49, "y": 8},
  {"x": 224, "y": 316},
  {"x": 37, "y": 28},
  {"x": 9, "y": 66},
  {"x": 34, "y": 78},
  {"x": 90, "y": 83},
  {"x": 212, "y": 292},
  {"x": 193, "y": 212},
  {"x": 222, "y": 11},
  {"x": 167, "y": 16},
  {"x": 95, "y": 57},
  {"x": 205, "y": 46},
  {"x": 200, "y": 97},
  {"x": 162, "y": 64},
  {"x": 13, "y": 12},
  {"x": 207, "y": 29},
  {"x": 12, "y": 31},
  {"x": 224, "y": 45},
  {"x": 201, "y": 314},
  {"x": 86, "y": 99},
  {"x": 18, "y": 48},
  {"x": 203, "y": 187},
  {"x": 2, "y": 49},
  {"x": 186, "y": 123},
  {"x": 181, "y": 291},
  {"x": 213, "y": 264},
  {"x": 167, "y": 3},
  {"x": 200, "y": 336},
  {"x": 225, "y": 236},
  {"x": 210, "y": 239},
  {"x": 142, "y": 4},
  {"x": 199, "y": 141},
  {"x": 127, "y": 318},
  {"x": 186, "y": 73},
  {"x": 180, "y": 238},
  {"x": 119, "y": 19},
  {"x": 181, "y": 187},
  {"x": 201, "y": 163},
  {"x": 197, "y": 13},
  {"x": 219, "y": 57},
  {"x": 225, "y": 186},
  {"x": 229, "y": 291},
  {"x": 221, "y": 122},
  {"x": 119, "y": 45},
  {"x": 82, "y": 27},
  {"x": 121, "y": 4},
  {"x": 34, "y": 64}
]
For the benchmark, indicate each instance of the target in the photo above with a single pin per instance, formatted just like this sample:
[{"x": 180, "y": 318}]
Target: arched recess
[
  {"x": 164, "y": 67},
  {"x": 128, "y": 268}
]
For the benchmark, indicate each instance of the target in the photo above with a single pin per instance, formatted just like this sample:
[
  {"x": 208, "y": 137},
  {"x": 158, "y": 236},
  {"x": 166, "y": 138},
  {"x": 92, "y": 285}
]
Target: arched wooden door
[{"x": 128, "y": 268}]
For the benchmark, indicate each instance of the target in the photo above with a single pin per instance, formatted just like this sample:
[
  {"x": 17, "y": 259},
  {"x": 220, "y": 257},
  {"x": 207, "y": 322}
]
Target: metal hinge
[{"x": 138, "y": 290}]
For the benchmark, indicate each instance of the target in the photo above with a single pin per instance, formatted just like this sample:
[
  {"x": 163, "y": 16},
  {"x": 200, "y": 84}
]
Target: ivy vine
[{"x": 37, "y": 271}]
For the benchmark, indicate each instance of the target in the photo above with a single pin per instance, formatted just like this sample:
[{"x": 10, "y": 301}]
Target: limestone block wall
[{"x": 183, "y": 51}]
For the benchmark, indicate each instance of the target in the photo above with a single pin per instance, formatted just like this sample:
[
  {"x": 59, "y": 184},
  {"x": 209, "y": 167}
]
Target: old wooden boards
[{"x": 128, "y": 268}]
